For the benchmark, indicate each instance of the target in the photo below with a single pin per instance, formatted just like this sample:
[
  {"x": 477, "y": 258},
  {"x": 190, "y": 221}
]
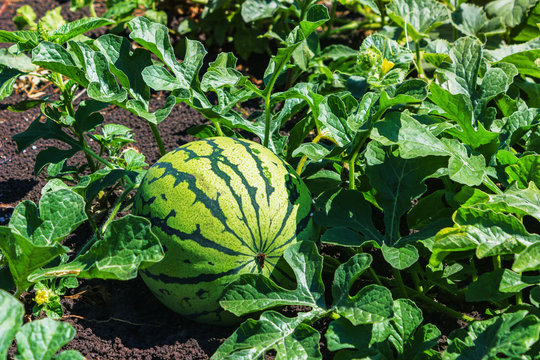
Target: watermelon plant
[{"x": 419, "y": 146}]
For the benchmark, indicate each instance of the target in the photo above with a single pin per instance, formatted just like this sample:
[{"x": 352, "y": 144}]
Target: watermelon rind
[{"x": 220, "y": 207}]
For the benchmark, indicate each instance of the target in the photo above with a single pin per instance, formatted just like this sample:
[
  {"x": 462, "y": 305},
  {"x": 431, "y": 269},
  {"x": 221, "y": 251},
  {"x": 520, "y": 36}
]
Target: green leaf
[
  {"x": 418, "y": 18},
  {"x": 313, "y": 151},
  {"x": 290, "y": 338},
  {"x": 25, "y": 39},
  {"x": 436, "y": 52},
  {"x": 253, "y": 10},
  {"x": 408, "y": 92},
  {"x": 25, "y": 256},
  {"x": 396, "y": 182},
  {"x": 509, "y": 335},
  {"x": 222, "y": 73},
  {"x": 140, "y": 108},
  {"x": 534, "y": 296},
  {"x": 517, "y": 126},
  {"x": 407, "y": 317},
  {"x": 528, "y": 30},
  {"x": 511, "y": 12},
  {"x": 41, "y": 339},
  {"x": 128, "y": 66},
  {"x": 472, "y": 20},
  {"x": 127, "y": 246},
  {"x": 348, "y": 209},
  {"x": 60, "y": 213},
  {"x": 526, "y": 62},
  {"x": 52, "y": 155},
  {"x": 506, "y": 50},
  {"x": 341, "y": 334},
  {"x": 461, "y": 77},
  {"x": 7, "y": 80},
  {"x": 78, "y": 27},
  {"x": 87, "y": 115},
  {"x": 415, "y": 140},
  {"x": 527, "y": 169},
  {"x": 155, "y": 37},
  {"x": 25, "y": 17},
  {"x": 56, "y": 58},
  {"x": 10, "y": 320},
  {"x": 252, "y": 292},
  {"x": 373, "y": 303},
  {"x": 52, "y": 19},
  {"x": 514, "y": 200},
  {"x": 486, "y": 232},
  {"x": 70, "y": 355},
  {"x": 134, "y": 160},
  {"x": 528, "y": 259},
  {"x": 316, "y": 15},
  {"x": 458, "y": 107},
  {"x": 42, "y": 130},
  {"x": 400, "y": 257},
  {"x": 333, "y": 120},
  {"x": 496, "y": 285},
  {"x": 102, "y": 84},
  {"x": 19, "y": 61}
]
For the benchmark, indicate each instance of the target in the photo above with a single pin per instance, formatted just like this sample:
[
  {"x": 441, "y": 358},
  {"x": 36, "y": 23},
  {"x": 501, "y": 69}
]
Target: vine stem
[
  {"x": 86, "y": 149},
  {"x": 375, "y": 276},
  {"x": 421, "y": 73},
  {"x": 218, "y": 128},
  {"x": 267, "y": 93},
  {"x": 352, "y": 160},
  {"x": 401, "y": 285},
  {"x": 304, "y": 157},
  {"x": 92, "y": 9},
  {"x": 157, "y": 136},
  {"x": 497, "y": 263},
  {"x": 440, "y": 307},
  {"x": 267, "y": 118},
  {"x": 117, "y": 206},
  {"x": 519, "y": 298}
]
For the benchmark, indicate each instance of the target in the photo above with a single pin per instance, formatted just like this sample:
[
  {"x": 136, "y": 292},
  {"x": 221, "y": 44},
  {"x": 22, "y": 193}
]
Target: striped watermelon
[{"x": 221, "y": 207}]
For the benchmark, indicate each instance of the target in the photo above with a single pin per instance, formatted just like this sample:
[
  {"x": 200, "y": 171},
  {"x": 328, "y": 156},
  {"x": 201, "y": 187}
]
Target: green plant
[
  {"x": 47, "y": 296},
  {"x": 39, "y": 339}
]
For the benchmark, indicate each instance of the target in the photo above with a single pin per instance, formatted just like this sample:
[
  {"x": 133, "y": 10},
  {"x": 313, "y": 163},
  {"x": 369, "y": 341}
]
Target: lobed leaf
[
  {"x": 127, "y": 246},
  {"x": 10, "y": 320}
]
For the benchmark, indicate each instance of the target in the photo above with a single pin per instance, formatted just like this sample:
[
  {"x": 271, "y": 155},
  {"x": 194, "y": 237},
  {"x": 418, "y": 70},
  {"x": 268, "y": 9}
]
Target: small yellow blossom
[
  {"x": 387, "y": 66},
  {"x": 42, "y": 296}
]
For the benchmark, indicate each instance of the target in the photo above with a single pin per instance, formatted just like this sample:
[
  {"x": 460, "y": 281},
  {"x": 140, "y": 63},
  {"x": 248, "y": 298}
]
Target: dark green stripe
[
  {"x": 195, "y": 236},
  {"x": 200, "y": 196},
  {"x": 291, "y": 184},
  {"x": 164, "y": 278}
]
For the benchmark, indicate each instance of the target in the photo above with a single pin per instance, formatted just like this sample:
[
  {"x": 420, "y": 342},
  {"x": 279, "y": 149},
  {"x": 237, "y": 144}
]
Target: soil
[{"x": 113, "y": 319}]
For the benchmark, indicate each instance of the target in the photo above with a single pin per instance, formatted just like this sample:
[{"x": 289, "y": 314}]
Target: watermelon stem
[
  {"x": 304, "y": 158},
  {"x": 157, "y": 136},
  {"x": 261, "y": 257},
  {"x": 218, "y": 129},
  {"x": 117, "y": 206}
]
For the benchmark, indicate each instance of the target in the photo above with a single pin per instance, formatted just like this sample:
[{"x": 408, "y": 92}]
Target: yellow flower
[
  {"x": 387, "y": 66},
  {"x": 42, "y": 296}
]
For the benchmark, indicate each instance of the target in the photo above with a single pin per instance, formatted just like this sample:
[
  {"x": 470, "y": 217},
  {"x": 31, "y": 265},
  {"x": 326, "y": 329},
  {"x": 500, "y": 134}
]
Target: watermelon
[{"x": 221, "y": 207}]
